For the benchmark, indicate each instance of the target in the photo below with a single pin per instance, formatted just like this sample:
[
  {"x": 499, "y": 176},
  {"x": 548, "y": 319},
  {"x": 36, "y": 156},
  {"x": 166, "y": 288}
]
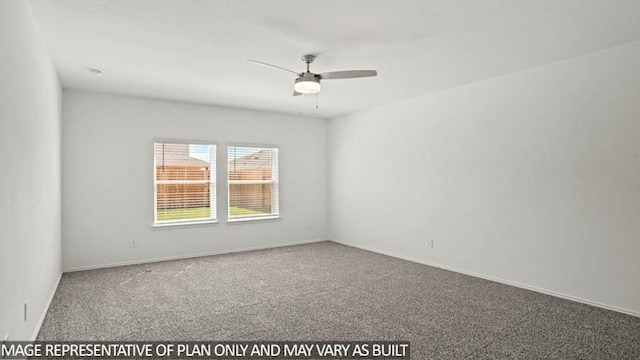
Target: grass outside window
[{"x": 201, "y": 213}]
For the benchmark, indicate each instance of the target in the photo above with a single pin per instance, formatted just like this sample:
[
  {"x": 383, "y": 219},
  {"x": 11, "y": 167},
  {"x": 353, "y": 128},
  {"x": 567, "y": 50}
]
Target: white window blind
[
  {"x": 253, "y": 182},
  {"x": 184, "y": 182}
]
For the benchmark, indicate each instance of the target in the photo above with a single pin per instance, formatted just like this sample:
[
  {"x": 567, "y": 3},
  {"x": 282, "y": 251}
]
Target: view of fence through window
[
  {"x": 253, "y": 181},
  {"x": 184, "y": 182}
]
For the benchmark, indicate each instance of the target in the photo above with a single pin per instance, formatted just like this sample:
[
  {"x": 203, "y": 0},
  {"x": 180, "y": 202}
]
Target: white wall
[
  {"x": 108, "y": 178},
  {"x": 30, "y": 173},
  {"x": 531, "y": 178}
]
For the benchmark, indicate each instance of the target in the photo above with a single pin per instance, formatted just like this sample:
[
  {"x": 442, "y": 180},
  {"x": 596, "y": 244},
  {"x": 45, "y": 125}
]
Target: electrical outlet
[
  {"x": 26, "y": 309},
  {"x": 133, "y": 243},
  {"x": 430, "y": 243},
  {"x": 309, "y": 228}
]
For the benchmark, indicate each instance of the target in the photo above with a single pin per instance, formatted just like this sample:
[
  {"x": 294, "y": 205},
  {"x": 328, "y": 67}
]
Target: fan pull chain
[{"x": 316, "y": 101}]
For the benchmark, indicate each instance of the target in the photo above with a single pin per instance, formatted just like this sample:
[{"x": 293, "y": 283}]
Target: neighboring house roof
[
  {"x": 176, "y": 155},
  {"x": 255, "y": 161}
]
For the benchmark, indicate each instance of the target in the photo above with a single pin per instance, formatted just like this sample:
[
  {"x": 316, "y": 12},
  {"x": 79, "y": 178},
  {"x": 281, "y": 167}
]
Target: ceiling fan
[{"x": 309, "y": 83}]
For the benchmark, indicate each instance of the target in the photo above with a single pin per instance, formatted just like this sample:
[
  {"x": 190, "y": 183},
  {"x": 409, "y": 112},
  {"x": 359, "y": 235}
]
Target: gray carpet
[{"x": 327, "y": 291}]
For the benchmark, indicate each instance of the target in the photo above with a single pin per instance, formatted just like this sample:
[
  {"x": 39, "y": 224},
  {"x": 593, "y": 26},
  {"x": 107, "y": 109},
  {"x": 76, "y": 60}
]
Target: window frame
[
  {"x": 213, "y": 186},
  {"x": 276, "y": 182}
]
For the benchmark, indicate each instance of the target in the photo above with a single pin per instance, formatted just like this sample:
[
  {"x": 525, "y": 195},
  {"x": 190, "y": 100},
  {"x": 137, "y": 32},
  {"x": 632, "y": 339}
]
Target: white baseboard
[
  {"x": 46, "y": 309},
  {"x": 189, "y": 256},
  {"x": 491, "y": 278}
]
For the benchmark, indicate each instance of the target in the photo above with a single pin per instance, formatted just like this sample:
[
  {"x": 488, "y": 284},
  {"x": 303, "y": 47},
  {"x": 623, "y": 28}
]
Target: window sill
[
  {"x": 173, "y": 225},
  {"x": 250, "y": 219}
]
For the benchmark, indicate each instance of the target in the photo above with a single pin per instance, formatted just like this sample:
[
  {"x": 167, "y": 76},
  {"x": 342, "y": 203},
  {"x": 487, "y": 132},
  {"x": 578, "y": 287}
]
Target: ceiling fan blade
[
  {"x": 270, "y": 65},
  {"x": 295, "y": 93},
  {"x": 347, "y": 74}
]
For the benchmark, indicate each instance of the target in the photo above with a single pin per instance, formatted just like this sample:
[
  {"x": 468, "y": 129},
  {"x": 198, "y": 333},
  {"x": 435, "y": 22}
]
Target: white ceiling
[{"x": 196, "y": 50}]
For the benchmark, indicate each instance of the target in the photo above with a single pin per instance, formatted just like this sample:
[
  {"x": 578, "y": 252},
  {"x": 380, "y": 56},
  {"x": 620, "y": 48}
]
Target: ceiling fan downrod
[{"x": 308, "y": 59}]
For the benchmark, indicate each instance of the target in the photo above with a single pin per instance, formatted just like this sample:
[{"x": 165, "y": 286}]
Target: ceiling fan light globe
[
  {"x": 307, "y": 87},
  {"x": 307, "y": 83}
]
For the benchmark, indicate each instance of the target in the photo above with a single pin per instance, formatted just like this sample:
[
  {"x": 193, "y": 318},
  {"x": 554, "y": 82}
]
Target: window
[
  {"x": 253, "y": 182},
  {"x": 184, "y": 183}
]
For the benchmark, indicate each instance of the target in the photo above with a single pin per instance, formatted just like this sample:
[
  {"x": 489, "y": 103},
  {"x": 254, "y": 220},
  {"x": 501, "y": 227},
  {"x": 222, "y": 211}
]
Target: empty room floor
[{"x": 328, "y": 291}]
